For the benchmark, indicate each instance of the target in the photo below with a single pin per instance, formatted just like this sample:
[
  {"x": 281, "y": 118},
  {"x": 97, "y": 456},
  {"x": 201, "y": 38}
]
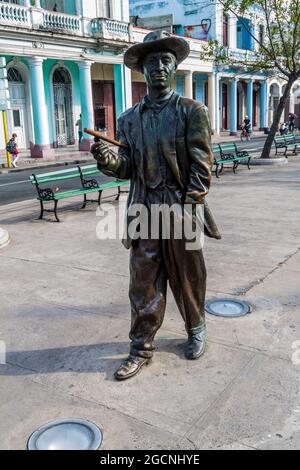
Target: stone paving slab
[
  {"x": 256, "y": 407},
  {"x": 31, "y": 405}
]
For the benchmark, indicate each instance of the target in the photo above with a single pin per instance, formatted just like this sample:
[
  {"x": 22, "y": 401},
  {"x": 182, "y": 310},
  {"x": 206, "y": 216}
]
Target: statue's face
[{"x": 159, "y": 69}]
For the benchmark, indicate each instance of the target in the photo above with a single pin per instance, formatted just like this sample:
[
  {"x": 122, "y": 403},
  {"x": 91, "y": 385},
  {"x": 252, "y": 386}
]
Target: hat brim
[{"x": 133, "y": 56}]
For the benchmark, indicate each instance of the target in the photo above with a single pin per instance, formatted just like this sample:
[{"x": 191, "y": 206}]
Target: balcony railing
[
  {"x": 241, "y": 54},
  {"x": 61, "y": 22},
  {"x": 37, "y": 18},
  {"x": 113, "y": 30},
  {"x": 14, "y": 14}
]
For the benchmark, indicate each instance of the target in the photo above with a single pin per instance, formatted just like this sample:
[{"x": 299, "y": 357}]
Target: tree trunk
[{"x": 269, "y": 142}]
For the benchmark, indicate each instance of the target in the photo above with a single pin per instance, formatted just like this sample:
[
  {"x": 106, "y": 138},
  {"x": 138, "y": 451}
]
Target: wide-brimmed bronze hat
[{"x": 156, "y": 41}]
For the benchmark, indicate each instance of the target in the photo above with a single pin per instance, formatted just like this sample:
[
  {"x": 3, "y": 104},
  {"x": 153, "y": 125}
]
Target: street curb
[
  {"x": 4, "y": 238},
  {"x": 269, "y": 161},
  {"x": 6, "y": 171}
]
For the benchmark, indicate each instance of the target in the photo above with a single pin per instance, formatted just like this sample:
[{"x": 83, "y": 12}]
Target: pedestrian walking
[
  {"x": 292, "y": 119},
  {"x": 12, "y": 148},
  {"x": 79, "y": 125}
]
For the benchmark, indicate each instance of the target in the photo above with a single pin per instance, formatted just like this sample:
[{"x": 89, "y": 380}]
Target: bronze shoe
[
  {"x": 130, "y": 367},
  {"x": 195, "y": 347}
]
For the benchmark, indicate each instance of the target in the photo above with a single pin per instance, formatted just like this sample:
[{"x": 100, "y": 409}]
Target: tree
[{"x": 278, "y": 46}]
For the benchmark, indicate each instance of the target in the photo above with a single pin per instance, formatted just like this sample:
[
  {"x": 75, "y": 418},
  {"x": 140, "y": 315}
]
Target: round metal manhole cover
[
  {"x": 69, "y": 434},
  {"x": 229, "y": 308}
]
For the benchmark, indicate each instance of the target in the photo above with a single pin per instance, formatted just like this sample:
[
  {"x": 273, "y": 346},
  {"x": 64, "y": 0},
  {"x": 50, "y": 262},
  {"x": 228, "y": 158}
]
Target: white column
[
  {"x": 120, "y": 10},
  {"x": 87, "y": 107},
  {"x": 27, "y": 3},
  {"x": 79, "y": 7},
  {"x": 281, "y": 86},
  {"x": 188, "y": 85},
  {"x": 218, "y": 104},
  {"x": 256, "y": 32},
  {"x": 232, "y": 32},
  {"x": 250, "y": 100},
  {"x": 125, "y": 10},
  {"x": 268, "y": 104},
  {"x": 41, "y": 146},
  {"x": 233, "y": 106},
  {"x": 212, "y": 100},
  {"x": 37, "y": 4},
  {"x": 123, "y": 88}
]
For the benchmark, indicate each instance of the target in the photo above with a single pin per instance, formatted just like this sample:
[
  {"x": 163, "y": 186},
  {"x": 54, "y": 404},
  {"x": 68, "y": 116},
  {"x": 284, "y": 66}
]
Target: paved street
[
  {"x": 16, "y": 187},
  {"x": 65, "y": 318}
]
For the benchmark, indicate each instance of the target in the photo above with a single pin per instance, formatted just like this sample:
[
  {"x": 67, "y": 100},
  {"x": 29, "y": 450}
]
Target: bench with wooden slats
[
  {"x": 286, "y": 143},
  {"x": 228, "y": 153},
  {"x": 87, "y": 186}
]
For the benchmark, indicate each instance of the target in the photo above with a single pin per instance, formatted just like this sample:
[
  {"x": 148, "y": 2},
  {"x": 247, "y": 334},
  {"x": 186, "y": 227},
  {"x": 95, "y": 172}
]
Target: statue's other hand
[{"x": 100, "y": 152}]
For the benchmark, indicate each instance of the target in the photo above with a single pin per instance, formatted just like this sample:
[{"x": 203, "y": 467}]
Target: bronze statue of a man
[{"x": 169, "y": 161}]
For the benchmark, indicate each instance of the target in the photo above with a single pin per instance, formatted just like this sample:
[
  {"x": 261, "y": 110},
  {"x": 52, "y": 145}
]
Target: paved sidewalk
[
  {"x": 226, "y": 137},
  {"x": 71, "y": 155},
  {"x": 64, "y": 156},
  {"x": 65, "y": 318}
]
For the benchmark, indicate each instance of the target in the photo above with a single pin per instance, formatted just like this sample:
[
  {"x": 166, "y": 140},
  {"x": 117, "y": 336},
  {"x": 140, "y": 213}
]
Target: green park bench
[
  {"x": 219, "y": 161},
  {"x": 286, "y": 143},
  {"x": 88, "y": 186},
  {"x": 291, "y": 143},
  {"x": 228, "y": 153}
]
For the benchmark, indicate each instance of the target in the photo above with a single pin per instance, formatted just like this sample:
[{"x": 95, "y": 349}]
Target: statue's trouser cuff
[
  {"x": 141, "y": 352},
  {"x": 201, "y": 328},
  {"x": 154, "y": 262}
]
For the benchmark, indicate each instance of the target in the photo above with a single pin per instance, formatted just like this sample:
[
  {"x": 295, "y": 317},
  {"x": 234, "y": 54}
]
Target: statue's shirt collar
[{"x": 157, "y": 106}]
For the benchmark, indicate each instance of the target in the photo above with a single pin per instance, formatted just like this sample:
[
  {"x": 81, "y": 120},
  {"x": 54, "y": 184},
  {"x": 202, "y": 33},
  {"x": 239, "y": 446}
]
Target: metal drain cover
[
  {"x": 69, "y": 434},
  {"x": 229, "y": 308}
]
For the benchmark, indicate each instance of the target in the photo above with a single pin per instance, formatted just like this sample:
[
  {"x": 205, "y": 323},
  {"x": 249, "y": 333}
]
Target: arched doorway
[
  {"x": 18, "y": 121},
  {"x": 63, "y": 107}
]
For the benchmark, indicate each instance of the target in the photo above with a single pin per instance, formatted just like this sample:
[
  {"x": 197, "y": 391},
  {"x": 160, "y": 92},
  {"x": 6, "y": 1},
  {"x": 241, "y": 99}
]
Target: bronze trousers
[{"x": 154, "y": 263}]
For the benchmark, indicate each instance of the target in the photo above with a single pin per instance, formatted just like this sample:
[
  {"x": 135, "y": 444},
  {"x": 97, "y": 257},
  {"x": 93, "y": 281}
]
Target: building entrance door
[
  {"x": 224, "y": 106},
  {"x": 17, "y": 117},
  {"x": 18, "y": 125},
  {"x": 63, "y": 107},
  {"x": 104, "y": 107}
]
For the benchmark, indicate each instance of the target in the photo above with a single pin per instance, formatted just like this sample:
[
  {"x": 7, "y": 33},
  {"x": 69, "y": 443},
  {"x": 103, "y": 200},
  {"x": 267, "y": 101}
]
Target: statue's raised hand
[{"x": 101, "y": 153}]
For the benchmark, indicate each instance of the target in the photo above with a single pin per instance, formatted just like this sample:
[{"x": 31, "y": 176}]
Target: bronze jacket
[{"x": 186, "y": 145}]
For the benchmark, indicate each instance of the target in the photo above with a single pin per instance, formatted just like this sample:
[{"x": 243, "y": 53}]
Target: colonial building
[
  {"x": 238, "y": 92},
  {"x": 65, "y": 58},
  {"x": 61, "y": 64},
  {"x": 68, "y": 62}
]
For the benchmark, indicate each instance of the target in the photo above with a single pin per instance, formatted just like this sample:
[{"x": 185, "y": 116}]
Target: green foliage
[{"x": 279, "y": 51}]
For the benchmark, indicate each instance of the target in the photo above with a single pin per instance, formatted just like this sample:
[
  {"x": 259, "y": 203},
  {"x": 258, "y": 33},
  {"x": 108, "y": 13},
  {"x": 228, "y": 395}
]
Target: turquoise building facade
[
  {"x": 66, "y": 63},
  {"x": 51, "y": 59}
]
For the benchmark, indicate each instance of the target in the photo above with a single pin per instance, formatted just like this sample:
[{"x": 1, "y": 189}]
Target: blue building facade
[{"x": 238, "y": 92}]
